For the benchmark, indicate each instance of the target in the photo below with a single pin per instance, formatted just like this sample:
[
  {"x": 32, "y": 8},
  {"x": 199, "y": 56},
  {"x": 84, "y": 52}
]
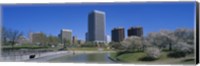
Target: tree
[
  {"x": 117, "y": 46},
  {"x": 89, "y": 44},
  {"x": 66, "y": 42},
  {"x": 162, "y": 39},
  {"x": 152, "y": 52},
  {"x": 43, "y": 38},
  {"x": 168, "y": 38},
  {"x": 133, "y": 43},
  {"x": 185, "y": 40},
  {"x": 4, "y": 35},
  {"x": 181, "y": 49},
  {"x": 11, "y": 36},
  {"x": 39, "y": 38},
  {"x": 52, "y": 40},
  {"x": 185, "y": 35},
  {"x": 146, "y": 43}
]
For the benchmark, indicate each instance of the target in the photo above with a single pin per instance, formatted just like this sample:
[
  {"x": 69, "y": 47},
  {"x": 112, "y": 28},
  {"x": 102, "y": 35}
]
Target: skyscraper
[
  {"x": 74, "y": 40},
  {"x": 66, "y": 35},
  {"x": 118, "y": 34},
  {"x": 86, "y": 36},
  {"x": 135, "y": 31},
  {"x": 96, "y": 26}
]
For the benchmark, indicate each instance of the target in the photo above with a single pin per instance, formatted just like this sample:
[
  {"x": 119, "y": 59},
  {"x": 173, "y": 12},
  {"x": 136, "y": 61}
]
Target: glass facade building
[{"x": 96, "y": 26}]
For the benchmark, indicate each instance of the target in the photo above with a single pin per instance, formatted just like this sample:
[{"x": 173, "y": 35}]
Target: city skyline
[{"x": 51, "y": 18}]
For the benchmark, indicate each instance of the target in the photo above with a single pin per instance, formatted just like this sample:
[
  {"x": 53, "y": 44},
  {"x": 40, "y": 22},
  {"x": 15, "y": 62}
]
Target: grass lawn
[
  {"x": 113, "y": 55},
  {"x": 28, "y": 46},
  {"x": 134, "y": 58},
  {"x": 23, "y": 47},
  {"x": 88, "y": 49}
]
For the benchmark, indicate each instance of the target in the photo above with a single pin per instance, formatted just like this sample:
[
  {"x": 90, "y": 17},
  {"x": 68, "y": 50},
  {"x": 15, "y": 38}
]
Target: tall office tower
[
  {"x": 66, "y": 35},
  {"x": 86, "y": 36},
  {"x": 96, "y": 26},
  {"x": 74, "y": 40},
  {"x": 118, "y": 34},
  {"x": 135, "y": 31}
]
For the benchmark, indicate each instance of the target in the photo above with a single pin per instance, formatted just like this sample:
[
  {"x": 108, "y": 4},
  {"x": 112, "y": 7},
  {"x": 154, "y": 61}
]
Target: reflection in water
[{"x": 91, "y": 57}]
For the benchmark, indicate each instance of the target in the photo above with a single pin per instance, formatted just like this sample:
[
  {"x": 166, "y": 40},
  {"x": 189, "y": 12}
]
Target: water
[{"x": 84, "y": 57}]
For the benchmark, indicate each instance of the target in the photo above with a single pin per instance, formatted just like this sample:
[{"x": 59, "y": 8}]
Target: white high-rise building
[
  {"x": 66, "y": 35},
  {"x": 108, "y": 38}
]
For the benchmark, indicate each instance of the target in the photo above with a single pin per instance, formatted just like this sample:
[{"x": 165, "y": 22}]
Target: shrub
[
  {"x": 177, "y": 54},
  {"x": 89, "y": 44},
  {"x": 147, "y": 59}
]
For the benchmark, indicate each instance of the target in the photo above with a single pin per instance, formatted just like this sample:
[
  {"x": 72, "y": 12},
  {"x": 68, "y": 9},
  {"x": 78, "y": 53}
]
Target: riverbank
[
  {"x": 92, "y": 51},
  {"x": 89, "y": 49},
  {"x": 135, "y": 58}
]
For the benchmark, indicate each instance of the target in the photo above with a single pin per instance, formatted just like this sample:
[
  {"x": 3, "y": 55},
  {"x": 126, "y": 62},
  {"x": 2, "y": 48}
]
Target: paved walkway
[
  {"x": 19, "y": 58},
  {"x": 49, "y": 56}
]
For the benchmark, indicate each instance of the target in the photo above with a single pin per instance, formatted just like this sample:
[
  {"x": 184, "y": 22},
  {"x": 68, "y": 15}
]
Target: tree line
[
  {"x": 179, "y": 43},
  {"x": 11, "y": 37}
]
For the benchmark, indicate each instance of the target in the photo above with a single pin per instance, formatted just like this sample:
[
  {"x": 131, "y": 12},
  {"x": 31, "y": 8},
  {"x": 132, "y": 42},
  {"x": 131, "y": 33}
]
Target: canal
[{"x": 84, "y": 58}]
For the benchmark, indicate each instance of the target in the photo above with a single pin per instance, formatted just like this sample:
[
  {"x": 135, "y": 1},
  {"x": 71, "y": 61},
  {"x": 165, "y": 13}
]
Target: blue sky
[{"x": 51, "y": 18}]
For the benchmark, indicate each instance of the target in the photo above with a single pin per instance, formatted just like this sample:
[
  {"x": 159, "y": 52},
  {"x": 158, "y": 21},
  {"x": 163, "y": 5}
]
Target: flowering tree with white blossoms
[
  {"x": 152, "y": 52},
  {"x": 183, "y": 47},
  {"x": 132, "y": 43},
  {"x": 180, "y": 41},
  {"x": 162, "y": 39}
]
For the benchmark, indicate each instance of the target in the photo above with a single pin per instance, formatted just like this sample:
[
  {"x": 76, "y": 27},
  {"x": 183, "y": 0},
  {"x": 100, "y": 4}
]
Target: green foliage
[
  {"x": 117, "y": 46},
  {"x": 22, "y": 47},
  {"x": 40, "y": 38},
  {"x": 53, "y": 40},
  {"x": 66, "y": 43},
  {"x": 147, "y": 58},
  {"x": 89, "y": 44},
  {"x": 177, "y": 54}
]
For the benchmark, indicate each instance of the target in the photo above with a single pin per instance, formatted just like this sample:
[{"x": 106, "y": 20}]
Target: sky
[{"x": 51, "y": 18}]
